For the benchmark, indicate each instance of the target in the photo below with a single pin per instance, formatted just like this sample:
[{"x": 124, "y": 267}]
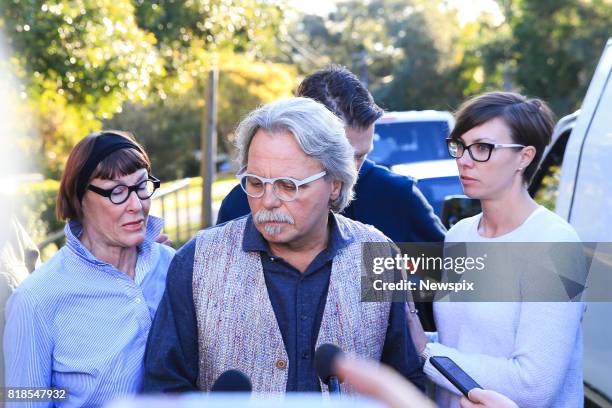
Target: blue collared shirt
[
  {"x": 81, "y": 324},
  {"x": 298, "y": 301}
]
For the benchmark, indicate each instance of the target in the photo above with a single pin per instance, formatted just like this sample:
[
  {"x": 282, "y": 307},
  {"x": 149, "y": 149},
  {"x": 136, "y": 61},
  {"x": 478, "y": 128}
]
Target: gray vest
[{"x": 237, "y": 327}]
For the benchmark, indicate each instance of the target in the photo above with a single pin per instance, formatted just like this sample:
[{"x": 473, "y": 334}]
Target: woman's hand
[
  {"x": 416, "y": 329},
  {"x": 486, "y": 399},
  {"x": 164, "y": 240}
]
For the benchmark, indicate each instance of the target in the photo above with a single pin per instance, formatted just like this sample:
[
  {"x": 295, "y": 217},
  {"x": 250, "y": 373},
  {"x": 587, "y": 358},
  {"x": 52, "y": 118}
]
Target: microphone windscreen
[
  {"x": 325, "y": 357},
  {"x": 232, "y": 381}
]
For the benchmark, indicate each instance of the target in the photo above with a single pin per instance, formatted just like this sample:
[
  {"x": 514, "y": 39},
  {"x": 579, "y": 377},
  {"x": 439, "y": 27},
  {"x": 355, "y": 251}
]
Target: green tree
[
  {"x": 170, "y": 127},
  {"x": 556, "y": 45},
  {"x": 355, "y": 35},
  {"x": 423, "y": 78},
  {"x": 192, "y": 34},
  {"x": 483, "y": 55},
  {"x": 79, "y": 61},
  {"x": 405, "y": 51}
]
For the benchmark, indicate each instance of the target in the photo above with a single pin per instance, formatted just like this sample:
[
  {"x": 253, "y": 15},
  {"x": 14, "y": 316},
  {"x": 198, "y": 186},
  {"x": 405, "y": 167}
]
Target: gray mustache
[{"x": 262, "y": 216}]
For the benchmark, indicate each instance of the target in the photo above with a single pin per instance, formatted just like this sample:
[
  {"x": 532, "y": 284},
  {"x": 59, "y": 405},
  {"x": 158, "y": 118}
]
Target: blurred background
[{"x": 69, "y": 67}]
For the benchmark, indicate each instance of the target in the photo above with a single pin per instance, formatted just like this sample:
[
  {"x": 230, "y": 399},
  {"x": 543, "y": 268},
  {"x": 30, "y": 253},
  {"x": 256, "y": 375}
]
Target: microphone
[
  {"x": 325, "y": 357},
  {"x": 232, "y": 381}
]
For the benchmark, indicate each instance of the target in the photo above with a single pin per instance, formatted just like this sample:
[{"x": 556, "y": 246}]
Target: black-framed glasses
[
  {"x": 284, "y": 188},
  {"x": 120, "y": 193},
  {"x": 480, "y": 152}
]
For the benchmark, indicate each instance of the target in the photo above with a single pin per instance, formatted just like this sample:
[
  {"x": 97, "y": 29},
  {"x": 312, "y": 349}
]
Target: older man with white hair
[{"x": 262, "y": 292}]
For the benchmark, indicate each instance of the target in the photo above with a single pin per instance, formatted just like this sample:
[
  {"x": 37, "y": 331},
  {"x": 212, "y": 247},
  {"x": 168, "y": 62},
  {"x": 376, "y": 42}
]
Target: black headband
[{"x": 104, "y": 145}]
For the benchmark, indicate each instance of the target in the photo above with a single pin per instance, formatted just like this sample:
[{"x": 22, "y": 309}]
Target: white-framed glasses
[{"x": 284, "y": 188}]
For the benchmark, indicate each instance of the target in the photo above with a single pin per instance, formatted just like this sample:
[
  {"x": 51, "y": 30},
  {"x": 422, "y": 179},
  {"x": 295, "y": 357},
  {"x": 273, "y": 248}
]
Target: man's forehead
[
  {"x": 282, "y": 168},
  {"x": 278, "y": 152},
  {"x": 266, "y": 164}
]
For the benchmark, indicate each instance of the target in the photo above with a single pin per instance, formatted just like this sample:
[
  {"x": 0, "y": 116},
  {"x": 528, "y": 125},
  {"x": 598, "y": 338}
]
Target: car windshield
[{"x": 409, "y": 142}]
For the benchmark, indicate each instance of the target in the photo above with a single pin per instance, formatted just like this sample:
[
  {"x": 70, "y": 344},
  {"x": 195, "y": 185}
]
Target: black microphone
[
  {"x": 325, "y": 357},
  {"x": 232, "y": 381}
]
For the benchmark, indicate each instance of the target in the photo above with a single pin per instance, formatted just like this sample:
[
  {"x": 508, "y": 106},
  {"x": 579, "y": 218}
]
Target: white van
[{"x": 580, "y": 158}]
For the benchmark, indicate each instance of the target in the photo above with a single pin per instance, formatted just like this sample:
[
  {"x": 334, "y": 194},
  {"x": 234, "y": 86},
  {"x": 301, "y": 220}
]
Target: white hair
[{"x": 318, "y": 132}]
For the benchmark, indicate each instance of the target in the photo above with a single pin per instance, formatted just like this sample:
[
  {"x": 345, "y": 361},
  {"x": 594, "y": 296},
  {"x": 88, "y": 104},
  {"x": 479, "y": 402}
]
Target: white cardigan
[{"x": 531, "y": 352}]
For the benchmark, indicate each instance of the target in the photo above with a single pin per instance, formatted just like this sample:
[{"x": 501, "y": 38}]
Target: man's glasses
[
  {"x": 480, "y": 152},
  {"x": 284, "y": 188},
  {"x": 120, "y": 193}
]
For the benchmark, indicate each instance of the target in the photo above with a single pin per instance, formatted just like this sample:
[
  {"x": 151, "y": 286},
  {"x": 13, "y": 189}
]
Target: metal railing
[{"x": 180, "y": 217}]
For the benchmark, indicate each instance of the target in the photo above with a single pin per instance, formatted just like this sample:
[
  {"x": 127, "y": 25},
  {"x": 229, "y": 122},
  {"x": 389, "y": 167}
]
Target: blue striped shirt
[{"x": 79, "y": 323}]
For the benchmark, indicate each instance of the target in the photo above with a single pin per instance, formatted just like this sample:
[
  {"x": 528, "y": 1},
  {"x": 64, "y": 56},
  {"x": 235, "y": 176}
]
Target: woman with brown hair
[
  {"x": 527, "y": 350},
  {"x": 80, "y": 322}
]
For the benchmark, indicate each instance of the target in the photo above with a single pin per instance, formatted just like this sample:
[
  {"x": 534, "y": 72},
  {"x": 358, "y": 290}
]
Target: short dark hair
[
  {"x": 342, "y": 93},
  {"x": 530, "y": 121},
  {"x": 117, "y": 164}
]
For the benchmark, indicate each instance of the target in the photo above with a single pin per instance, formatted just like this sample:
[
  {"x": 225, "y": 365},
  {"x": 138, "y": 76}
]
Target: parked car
[
  {"x": 574, "y": 181},
  {"x": 413, "y": 144}
]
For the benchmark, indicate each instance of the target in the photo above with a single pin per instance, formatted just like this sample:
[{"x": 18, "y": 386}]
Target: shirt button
[
  {"x": 272, "y": 258},
  {"x": 305, "y": 355},
  {"x": 281, "y": 364},
  {"x": 137, "y": 300},
  {"x": 303, "y": 317}
]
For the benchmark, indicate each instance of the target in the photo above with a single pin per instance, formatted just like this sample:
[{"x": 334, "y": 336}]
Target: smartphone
[{"x": 454, "y": 374}]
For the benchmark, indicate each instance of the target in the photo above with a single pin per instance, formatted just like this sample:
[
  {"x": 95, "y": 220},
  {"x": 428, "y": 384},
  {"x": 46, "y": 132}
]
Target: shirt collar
[
  {"x": 74, "y": 229},
  {"x": 254, "y": 241}
]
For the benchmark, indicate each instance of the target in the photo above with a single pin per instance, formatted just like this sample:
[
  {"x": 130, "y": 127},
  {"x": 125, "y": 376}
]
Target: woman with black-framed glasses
[
  {"x": 529, "y": 350},
  {"x": 80, "y": 322},
  {"x": 120, "y": 193},
  {"x": 480, "y": 151}
]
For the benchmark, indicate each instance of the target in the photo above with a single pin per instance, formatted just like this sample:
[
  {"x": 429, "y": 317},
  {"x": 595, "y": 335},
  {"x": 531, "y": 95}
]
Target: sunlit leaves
[{"x": 81, "y": 60}]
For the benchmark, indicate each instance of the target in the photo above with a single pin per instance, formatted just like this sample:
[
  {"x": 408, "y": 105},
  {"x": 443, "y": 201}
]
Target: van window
[{"x": 409, "y": 142}]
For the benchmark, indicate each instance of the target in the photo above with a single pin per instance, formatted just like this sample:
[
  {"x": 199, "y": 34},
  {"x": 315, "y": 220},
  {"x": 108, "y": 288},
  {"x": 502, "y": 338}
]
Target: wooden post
[{"x": 208, "y": 143}]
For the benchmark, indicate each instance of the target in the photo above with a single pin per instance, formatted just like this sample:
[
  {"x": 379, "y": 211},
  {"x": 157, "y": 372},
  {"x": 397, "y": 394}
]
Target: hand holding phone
[
  {"x": 453, "y": 373},
  {"x": 487, "y": 399}
]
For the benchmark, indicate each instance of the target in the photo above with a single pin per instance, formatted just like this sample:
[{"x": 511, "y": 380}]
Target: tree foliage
[
  {"x": 170, "y": 127},
  {"x": 405, "y": 51},
  {"x": 428, "y": 37},
  {"x": 556, "y": 45},
  {"x": 415, "y": 54},
  {"x": 191, "y": 33},
  {"x": 81, "y": 60}
]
